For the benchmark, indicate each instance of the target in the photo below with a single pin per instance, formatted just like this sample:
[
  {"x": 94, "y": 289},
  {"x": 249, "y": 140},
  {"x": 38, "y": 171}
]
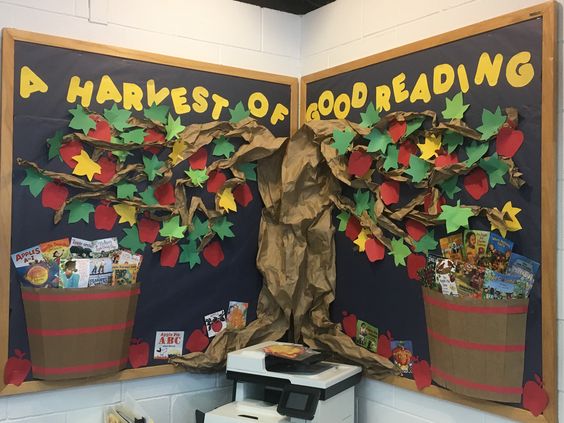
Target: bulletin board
[
  {"x": 404, "y": 79},
  {"x": 45, "y": 76}
]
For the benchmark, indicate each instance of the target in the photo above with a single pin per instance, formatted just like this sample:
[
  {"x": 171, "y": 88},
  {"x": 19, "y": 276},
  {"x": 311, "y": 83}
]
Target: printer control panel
[{"x": 298, "y": 401}]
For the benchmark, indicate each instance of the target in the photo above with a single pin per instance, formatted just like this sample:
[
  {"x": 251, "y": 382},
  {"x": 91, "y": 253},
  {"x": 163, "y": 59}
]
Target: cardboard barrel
[
  {"x": 75, "y": 333},
  {"x": 477, "y": 346}
]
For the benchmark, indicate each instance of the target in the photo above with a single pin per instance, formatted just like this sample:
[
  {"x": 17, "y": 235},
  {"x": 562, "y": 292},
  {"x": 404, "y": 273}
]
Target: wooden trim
[
  {"x": 294, "y": 105},
  {"x": 548, "y": 191}
]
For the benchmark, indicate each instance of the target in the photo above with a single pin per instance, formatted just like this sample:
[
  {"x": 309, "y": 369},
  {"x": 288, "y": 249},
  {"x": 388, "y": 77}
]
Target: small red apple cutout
[
  {"x": 54, "y": 195},
  {"x": 384, "y": 345},
  {"x": 359, "y": 163},
  {"x": 148, "y": 230},
  {"x": 16, "y": 369},
  {"x": 197, "y": 341},
  {"x": 138, "y": 353},
  {"x": 508, "y": 141},
  {"x": 164, "y": 194},
  {"x": 406, "y": 149},
  {"x": 169, "y": 255},
  {"x": 199, "y": 159},
  {"x": 216, "y": 180},
  {"x": 213, "y": 253},
  {"x": 105, "y": 217},
  {"x": 427, "y": 202},
  {"x": 476, "y": 183},
  {"x": 349, "y": 324},
  {"x": 102, "y": 132},
  {"x": 243, "y": 194},
  {"x": 415, "y": 262},
  {"x": 107, "y": 170},
  {"x": 421, "y": 373},
  {"x": 397, "y": 129},
  {"x": 535, "y": 398},
  {"x": 390, "y": 192},
  {"x": 374, "y": 250},
  {"x": 153, "y": 137},
  {"x": 415, "y": 229},
  {"x": 68, "y": 150},
  {"x": 353, "y": 228},
  {"x": 446, "y": 160}
]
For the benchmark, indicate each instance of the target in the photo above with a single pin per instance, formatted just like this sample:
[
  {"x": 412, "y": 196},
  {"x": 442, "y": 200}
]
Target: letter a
[{"x": 30, "y": 83}]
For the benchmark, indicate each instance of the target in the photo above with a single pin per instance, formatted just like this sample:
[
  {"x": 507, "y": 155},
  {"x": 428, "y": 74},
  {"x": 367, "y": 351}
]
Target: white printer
[{"x": 272, "y": 389}]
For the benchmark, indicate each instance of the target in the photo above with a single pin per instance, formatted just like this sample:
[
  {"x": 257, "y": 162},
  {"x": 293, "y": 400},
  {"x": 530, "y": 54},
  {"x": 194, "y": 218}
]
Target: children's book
[
  {"x": 469, "y": 279},
  {"x": 475, "y": 245},
  {"x": 215, "y": 323},
  {"x": 525, "y": 268},
  {"x": 500, "y": 286},
  {"x": 126, "y": 257},
  {"x": 366, "y": 335},
  {"x": 451, "y": 246},
  {"x": 100, "y": 272},
  {"x": 402, "y": 352},
  {"x": 168, "y": 343},
  {"x": 103, "y": 247},
  {"x": 499, "y": 251},
  {"x": 445, "y": 276},
  {"x": 54, "y": 251},
  {"x": 124, "y": 274},
  {"x": 80, "y": 248},
  {"x": 237, "y": 315},
  {"x": 33, "y": 271},
  {"x": 74, "y": 273},
  {"x": 427, "y": 274}
]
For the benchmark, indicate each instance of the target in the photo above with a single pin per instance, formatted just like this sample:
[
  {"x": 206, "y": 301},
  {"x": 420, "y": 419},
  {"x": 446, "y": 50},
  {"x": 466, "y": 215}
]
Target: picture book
[
  {"x": 27, "y": 257},
  {"x": 74, "y": 273},
  {"x": 124, "y": 274},
  {"x": 402, "y": 352},
  {"x": 525, "y": 268},
  {"x": 499, "y": 286},
  {"x": 475, "y": 246},
  {"x": 499, "y": 251},
  {"x": 54, "y": 251},
  {"x": 80, "y": 248},
  {"x": 33, "y": 271},
  {"x": 126, "y": 257},
  {"x": 469, "y": 279},
  {"x": 215, "y": 323},
  {"x": 103, "y": 247},
  {"x": 366, "y": 335},
  {"x": 427, "y": 274},
  {"x": 168, "y": 343},
  {"x": 100, "y": 272},
  {"x": 451, "y": 246},
  {"x": 445, "y": 278},
  {"x": 237, "y": 315}
]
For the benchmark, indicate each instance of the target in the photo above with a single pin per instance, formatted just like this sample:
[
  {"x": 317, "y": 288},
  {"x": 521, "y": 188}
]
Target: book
[
  {"x": 451, "y": 246},
  {"x": 444, "y": 274},
  {"x": 27, "y": 257},
  {"x": 74, "y": 273},
  {"x": 80, "y": 248},
  {"x": 469, "y": 279},
  {"x": 499, "y": 251},
  {"x": 427, "y": 274},
  {"x": 366, "y": 335},
  {"x": 168, "y": 343},
  {"x": 402, "y": 352},
  {"x": 33, "y": 271},
  {"x": 103, "y": 247},
  {"x": 124, "y": 274},
  {"x": 54, "y": 251},
  {"x": 100, "y": 271},
  {"x": 215, "y": 323},
  {"x": 126, "y": 257},
  {"x": 237, "y": 315},
  {"x": 500, "y": 286},
  {"x": 475, "y": 246},
  {"x": 525, "y": 267}
]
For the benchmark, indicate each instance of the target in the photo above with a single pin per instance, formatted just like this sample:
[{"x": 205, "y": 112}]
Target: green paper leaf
[
  {"x": 249, "y": 170},
  {"x": 131, "y": 240},
  {"x": 475, "y": 151},
  {"x": 491, "y": 122},
  {"x": 426, "y": 243},
  {"x": 391, "y": 162},
  {"x": 173, "y": 127},
  {"x": 55, "y": 143},
  {"x": 455, "y": 107},
  {"x": 343, "y": 140},
  {"x": 449, "y": 186},
  {"x": 379, "y": 141},
  {"x": 125, "y": 190},
  {"x": 452, "y": 140},
  {"x": 455, "y": 216},
  {"x": 362, "y": 200},
  {"x": 35, "y": 181},
  {"x": 495, "y": 169},
  {"x": 370, "y": 116},
  {"x": 238, "y": 113},
  {"x": 197, "y": 176},
  {"x": 152, "y": 167},
  {"x": 413, "y": 125},
  {"x": 371, "y": 205},
  {"x": 79, "y": 210},
  {"x": 200, "y": 228},
  {"x": 172, "y": 229},
  {"x": 222, "y": 228},
  {"x": 190, "y": 254},
  {"x": 343, "y": 220},
  {"x": 117, "y": 117},
  {"x": 400, "y": 251},
  {"x": 157, "y": 113},
  {"x": 121, "y": 155},
  {"x": 80, "y": 120},
  {"x": 148, "y": 196},
  {"x": 418, "y": 168},
  {"x": 135, "y": 136},
  {"x": 223, "y": 147}
]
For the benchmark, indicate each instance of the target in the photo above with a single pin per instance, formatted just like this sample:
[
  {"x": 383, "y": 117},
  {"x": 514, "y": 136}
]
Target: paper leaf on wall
[
  {"x": 148, "y": 196},
  {"x": 227, "y": 200},
  {"x": 173, "y": 127},
  {"x": 426, "y": 243},
  {"x": 55, "y": 143},
  {"x": 413, "y": 125},
  {"x": 391, "y": 161},
  {"x": 35, "y": 181},
  {"x": 199, "y": 159},
  {"x": 126, "y": 190},
  {"x": 135, "y": 136},
  {"x": 79, "y": 210},
  {"x": 222, "y": 227},
  {"x": 157, "y": 113},
  {"x": 452, "y": 140},
  {"x": 455, "y": 216},
  {"x": 249, "y": 169},
  {"x": 450, "y": 187},
  {"x": 172, "y": 228},
  {"x": 430, "y": 146},
  {"x": 190, "y": 254},
  {"x": 85, "y": 166},
  {"x": 117, "y": 117},
  {"x": 370, "y": 116},
  {"x": 418, "y": 168},
  {"x": 495, "y": 168},
  {"x": 475, "y": 151},
  {"x": 197, "y": 177},
  {"x": 127, "y": 214},
  {"x": 238, "y": 113},
  {"x": 200, "y": 229},
  {"x": 379, "y": 141},
  {"x": 455, "y": 107},
  {"x": 510, "y": 219},
  {"x": 222, "y": 147},
  {"x": 342, "y": 140},
  {"x": 81, "y": 120},
  {"x": 399, "y": 251},
  {"x": 491, "y": 123},
  {"x": 131, "y": 240},
  {"x": 360, "y": 241},
  {"x": 343, "y": 218},
  {"x": 362, "y": 200},
  {"x": 152, "y": 167}
]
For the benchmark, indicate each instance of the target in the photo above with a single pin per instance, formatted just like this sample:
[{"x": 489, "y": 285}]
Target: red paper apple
[
  {"x": 68, "y": 150},
  {"x": 415, "y": 229},
  {"x": 415, "y": 262},
  {"x": 384, "y": 345},
  {"x": 446, "y": 160},
  {"x": 421, "y": 373},
  {"x": 390, "y": 192},
  {"x": 138, "y": 353},
  {"x": 535, "y": 398},
  {"x": 396, "y": 129},
  {"x": 16, "y": 369},
  {"x": 102, "y": 131},
  {"x": 349, "y": 324},
  {"x": 199, "y": 159},
  {"x": 153, "y": 137},
  {"x": 216, "y": 180},
  {"x": 406, "y": 149},
  {"x": 476, "y": 183},
  {"x": 105, "y": 217},
  {"x": 508, "y": 141},
  {"x": 359, "y": 163},
  {"x": 164, "y": 194},
  {"x": 54, "y": 195},
  {"x": 243, "y": 194},
  {"x": 148, "y": 230},
  {"x": 169, "y": 255},
  {"x": 197, "y": 341},
  {"x": 427, "y": 201},
  {"x": 107, "y": 171},
  {"x": 213, "y": 253},
  {"x": 374, "y": 250},
  {"x": 353, "y": 228}
]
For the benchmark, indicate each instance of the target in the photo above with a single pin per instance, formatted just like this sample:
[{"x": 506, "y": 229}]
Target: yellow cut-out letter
[
  {"x": 132, "y": 96},
  {"x": 342, "y": 106},
  {"x": 398, "y": 85},
  {"x": 178, "y": 96},
  {"x": 443, "y": 78},
  {"x": 383, "y": 94},
  {"x": 279, "y": 114},
  {"x": 107, "y": 90},
  {"x": 312, "y": 113},
  {"x": 262, "y": 109},
  {"x": 153, "y": 96},
  {"x": 421, "y": 90},
  {"x": 31, "y": 83},
  {"x": 463, "y": 78},
  {"x": 488, "y": 69},
  {"x": 219, "y": 103},
  {"x": 359, "y": 95},
  {"x": 326, "y": 102},
  {"x": 200, "y": 95},
  {"x": 519, "y": 71},
  {"x": 75, "y": 91}
]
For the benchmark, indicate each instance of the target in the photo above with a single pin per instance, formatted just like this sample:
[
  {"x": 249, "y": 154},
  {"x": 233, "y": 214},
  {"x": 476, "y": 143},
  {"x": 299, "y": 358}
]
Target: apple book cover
[
  {"x": 54, "y": 251},
  {"x": 451, "y": 246},
  {"x": 168, "y": 343},
  {"x": 402, "y": 353},
  {"x": 215, "y": 323},
  {"x": 475, "y": 246}
]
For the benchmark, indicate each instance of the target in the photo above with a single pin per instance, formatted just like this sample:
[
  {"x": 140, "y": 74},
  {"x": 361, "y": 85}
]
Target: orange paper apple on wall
[{"x": 16, "y": 369}]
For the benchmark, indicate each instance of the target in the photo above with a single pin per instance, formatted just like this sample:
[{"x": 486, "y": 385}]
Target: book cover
[
  {"x": 366, "y": 335},
  {"x": 80, "y": 248},
  {"x": 402, "y": 352},
  {"x": 124, "y": 274},
  {"x": 74, "y": 273},
  {"x": 475, "y": 246},
  {"x": 525, "y": 267},
  {"x": 237, "y": 315},
  {"x": 168, "y": 343},
  {"x": 427, "y": 274},
  {"x": 445, "y": 278},
  {"x": 100, "y": 272},
  {"x": 27, "y": 257},
  {"x": 54, "y": 251},
  {"x": 104, "y": 246},
  {"x": 499, "y": 252},
  {"x": 33, "y": 271},
  {"x": 215, "y": 323},
  {"x": 451, "y": 246},
  {"x": 126, "y": 257},
  {"x": 469, "y": 279},
  {"x": 500, "y": 286}
]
